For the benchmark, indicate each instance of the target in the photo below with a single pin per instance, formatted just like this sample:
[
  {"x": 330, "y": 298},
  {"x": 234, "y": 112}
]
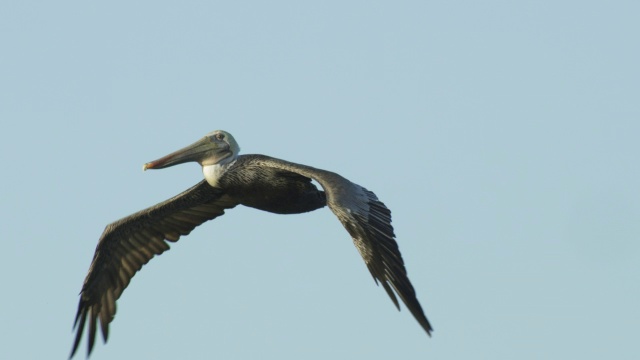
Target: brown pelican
[{"x": 256, "y": 181}]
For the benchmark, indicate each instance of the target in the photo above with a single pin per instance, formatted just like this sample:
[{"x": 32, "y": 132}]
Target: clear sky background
[{"x": 503, "y": 135}]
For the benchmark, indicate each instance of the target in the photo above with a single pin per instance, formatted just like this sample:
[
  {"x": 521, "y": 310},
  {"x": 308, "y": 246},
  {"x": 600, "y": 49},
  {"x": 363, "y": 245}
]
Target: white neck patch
[{"x": 212, "y": 173}]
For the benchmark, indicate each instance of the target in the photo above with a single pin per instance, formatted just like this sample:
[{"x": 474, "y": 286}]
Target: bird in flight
[{"x": 257, "y": 181}]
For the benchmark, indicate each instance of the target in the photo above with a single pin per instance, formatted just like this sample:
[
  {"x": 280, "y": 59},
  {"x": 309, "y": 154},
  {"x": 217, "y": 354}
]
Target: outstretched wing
[
  {"x": 129, "y": 243},
  {"x": 368, "y": 221}
]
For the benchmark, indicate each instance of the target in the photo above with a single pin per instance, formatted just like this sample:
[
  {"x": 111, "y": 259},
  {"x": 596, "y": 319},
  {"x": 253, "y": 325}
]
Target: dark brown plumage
[{"x": 256, "y": 181}]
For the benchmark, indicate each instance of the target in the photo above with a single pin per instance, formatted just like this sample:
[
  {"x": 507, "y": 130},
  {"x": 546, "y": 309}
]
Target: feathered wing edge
[
  {"x": 368, "y": 221},
  {"x": 129, "y": 243},
  {"x": 369, "y": 225}
]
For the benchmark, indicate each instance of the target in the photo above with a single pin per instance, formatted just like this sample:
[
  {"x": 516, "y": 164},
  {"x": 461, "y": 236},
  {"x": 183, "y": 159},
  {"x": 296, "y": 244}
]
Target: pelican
[{"x": 257, "y": 181}]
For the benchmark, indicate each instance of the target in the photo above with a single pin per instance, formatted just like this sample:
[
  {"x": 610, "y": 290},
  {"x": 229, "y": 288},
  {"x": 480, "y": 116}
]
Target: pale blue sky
[{"x": 503, "y": 135}]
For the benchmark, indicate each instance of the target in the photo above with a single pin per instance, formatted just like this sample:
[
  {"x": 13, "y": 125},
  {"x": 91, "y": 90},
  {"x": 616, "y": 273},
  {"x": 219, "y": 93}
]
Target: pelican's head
[{"x": 216, "y": 148}]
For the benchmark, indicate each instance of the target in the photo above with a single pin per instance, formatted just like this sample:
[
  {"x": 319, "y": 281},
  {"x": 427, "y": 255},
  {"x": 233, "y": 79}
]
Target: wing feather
[
  {"x": 372, "y": 233},
  {"x": 368, "y": 221},
  {"x": 129, "y": 243}
]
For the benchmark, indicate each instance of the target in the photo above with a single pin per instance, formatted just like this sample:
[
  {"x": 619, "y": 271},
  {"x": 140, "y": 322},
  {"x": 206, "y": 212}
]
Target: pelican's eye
[{"x": 220, "y": 136}]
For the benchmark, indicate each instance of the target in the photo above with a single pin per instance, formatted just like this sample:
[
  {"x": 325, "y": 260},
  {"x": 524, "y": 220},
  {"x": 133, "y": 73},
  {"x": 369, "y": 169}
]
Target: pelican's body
[
  {"x": 253, "y": 184},
  {"x": 256, "y": 181}
]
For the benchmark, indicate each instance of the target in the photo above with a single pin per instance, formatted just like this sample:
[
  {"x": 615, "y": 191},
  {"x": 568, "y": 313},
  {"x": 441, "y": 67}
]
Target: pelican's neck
[{"x": 212, "y": 173}]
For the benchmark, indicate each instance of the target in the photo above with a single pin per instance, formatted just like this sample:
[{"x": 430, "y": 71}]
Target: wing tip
[
  {"x": 427, "y": 327},
  {"x": 92, "y": 315},
  {"x": 81, "y": 318}
]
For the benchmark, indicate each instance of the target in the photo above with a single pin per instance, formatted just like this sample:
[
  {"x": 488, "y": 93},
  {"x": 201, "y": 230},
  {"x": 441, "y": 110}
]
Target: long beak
[{"x": 198, "y": 152}]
